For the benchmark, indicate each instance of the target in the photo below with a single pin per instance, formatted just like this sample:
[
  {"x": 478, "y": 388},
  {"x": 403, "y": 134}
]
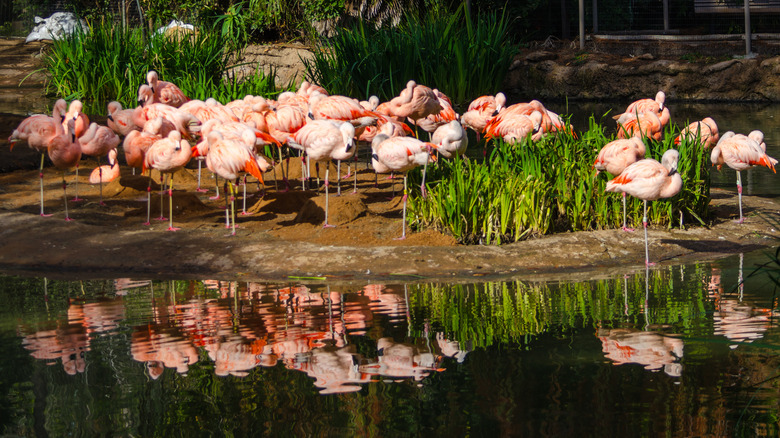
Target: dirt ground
[{"x": 283, "y": 236}]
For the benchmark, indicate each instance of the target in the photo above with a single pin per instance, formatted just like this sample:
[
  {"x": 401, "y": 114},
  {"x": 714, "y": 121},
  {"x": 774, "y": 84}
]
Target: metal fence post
[{"x": 748, "y": 35}]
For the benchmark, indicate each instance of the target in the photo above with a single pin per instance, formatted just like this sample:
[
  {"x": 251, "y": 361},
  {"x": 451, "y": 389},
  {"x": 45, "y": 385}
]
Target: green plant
[
  {"x": 467, "y": 57},
  {"x": 532, "y": 188}
]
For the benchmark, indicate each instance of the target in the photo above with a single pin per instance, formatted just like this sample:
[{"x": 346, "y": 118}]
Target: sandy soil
[{"x": 283, "y": 236}]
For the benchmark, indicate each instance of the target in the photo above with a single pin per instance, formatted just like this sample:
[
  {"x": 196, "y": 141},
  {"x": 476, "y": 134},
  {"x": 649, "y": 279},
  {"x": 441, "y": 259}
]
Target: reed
[
  {"x": 453, "y": 52},
  {"x": 533, "y": 188},
  {"x": 110, "y": 63}
]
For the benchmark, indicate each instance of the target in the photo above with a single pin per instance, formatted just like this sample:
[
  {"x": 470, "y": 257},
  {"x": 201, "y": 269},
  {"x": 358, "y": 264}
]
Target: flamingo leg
[
  {"x": 170, "y": 204},
  {"x": 40, "y": 174},
  {"x": 100, "y": 172},
  {"x": 625, "y": 228},
  {"x": 233, "y": 192},
  {"x": 227, "y": 204},
  {"x": 338, "y": 178},
  {"x": 216, "y": 188},
  {"x": 356, "y": 172},
  {"x": 422, "y": 185},
  {"x": 403, "y": 223},
  {"x": 647, "y": 252},
  {"x": 149, "y": 200},
  {"x": 65, "y": 197},
  {"x": 243, "y": 210},
  {"x": 162, "y": 197},
  {"x": 76, "y": 197},
  {"x": 327, "y": 174},
  {"x": 200, "y": 165},
  {"x": 739, "y": 194}
]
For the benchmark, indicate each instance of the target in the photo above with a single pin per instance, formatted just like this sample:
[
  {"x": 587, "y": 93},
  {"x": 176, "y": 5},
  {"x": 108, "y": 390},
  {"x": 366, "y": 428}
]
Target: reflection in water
[
  {"x": 653, "y": 350},
  {"x": 403, "y": 359}
]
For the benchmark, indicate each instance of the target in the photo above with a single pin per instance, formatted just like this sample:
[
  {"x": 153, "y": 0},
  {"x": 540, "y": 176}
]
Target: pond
[{"x": 684, "y": 350}]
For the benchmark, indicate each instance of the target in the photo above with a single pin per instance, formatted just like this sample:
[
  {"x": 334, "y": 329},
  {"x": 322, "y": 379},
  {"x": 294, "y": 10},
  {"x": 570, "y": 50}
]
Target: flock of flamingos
[{"x": 230, "y": 138}]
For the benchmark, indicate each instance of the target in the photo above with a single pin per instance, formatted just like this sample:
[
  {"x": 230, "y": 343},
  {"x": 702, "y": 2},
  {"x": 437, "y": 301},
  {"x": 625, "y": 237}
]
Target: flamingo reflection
[
  {"x": 650, "y": 349},
  {"x": 162, "y": 347},
  {"x": 68, "y": 343}
]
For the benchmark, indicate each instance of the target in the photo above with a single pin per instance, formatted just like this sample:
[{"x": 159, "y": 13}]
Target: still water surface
[{"x": 684, "y": 351}]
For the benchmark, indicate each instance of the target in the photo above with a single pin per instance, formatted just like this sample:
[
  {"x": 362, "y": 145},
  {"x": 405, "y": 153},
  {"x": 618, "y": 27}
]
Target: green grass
[
  {"x": 463, "y": 56},
  {"x": 108, "y": 63},
  {"x": 550, "y": 186}
]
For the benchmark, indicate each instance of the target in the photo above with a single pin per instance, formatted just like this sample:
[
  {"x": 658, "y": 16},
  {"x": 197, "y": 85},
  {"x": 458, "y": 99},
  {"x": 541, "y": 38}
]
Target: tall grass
[
  {"x": 465, "y": 56},
  {"x": 534, "y": 188},
  {"x": 110, "y": 63}
]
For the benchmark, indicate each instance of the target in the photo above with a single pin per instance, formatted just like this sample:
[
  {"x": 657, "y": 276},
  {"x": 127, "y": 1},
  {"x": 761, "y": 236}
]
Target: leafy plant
[{"x": 467, "y": 57}]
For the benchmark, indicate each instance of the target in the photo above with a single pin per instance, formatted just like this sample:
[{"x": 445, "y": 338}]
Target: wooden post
[
  {"x": 582, "y": 24},
  {"x": 666, "y": 15},
  {"x": 748, "y": 35}
]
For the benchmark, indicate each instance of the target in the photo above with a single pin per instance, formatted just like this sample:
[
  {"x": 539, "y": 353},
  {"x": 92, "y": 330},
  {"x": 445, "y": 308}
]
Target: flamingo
[
  {"x": 649, "y": 180},
  {"x": 481, "y": 110},
  {"x": 284, "y": 122},
  {"x": 513, "y": 127},
  {"x": 121, "y": 120},
  {"x": 615, "y": 156},
  {"x": 227, "y": 157},
  {"x": 165, "y": 92},
  {"x": 325, "y": 140},
  {"x": 65, "y": 153},
  {"x": 451, "y": 138},
  {"x": 38, "y": 130},
  {"x": 342, "y": 108},
  {"x": 706, "y": 131},
  {"x": 168, "y": 156},
  {"x": 415, "y": 102},
  {"x": 106, "y": 173},
  {"x": 741, "y": 152},
  {"x": 645, "y": 124},
  {"x": 173, "y": 118},
  {"x": 400, "y": 154},
  {"x": 97, "y": 141},
  {"x": 655, "y": 105},
  {"x": 432, "y": 122}
]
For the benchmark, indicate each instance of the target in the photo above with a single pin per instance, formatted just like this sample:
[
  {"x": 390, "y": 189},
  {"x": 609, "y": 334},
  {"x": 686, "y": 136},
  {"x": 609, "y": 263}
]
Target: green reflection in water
[{"x": 695, "y": 353}]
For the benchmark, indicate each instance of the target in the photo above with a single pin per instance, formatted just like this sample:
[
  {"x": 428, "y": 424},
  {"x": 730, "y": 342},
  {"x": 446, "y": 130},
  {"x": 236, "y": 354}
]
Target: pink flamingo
[
  {"x": 165, "y": 92},
  {"x": 706, "y": 131},
  {"x": 38, "y": 130},
  {"x": 400, "y": 154},
  {"x": 655, "y": 105},
  {"x": 97, "y": 141},
  {"x": 481, "y": 110},
  {"x": 645, "y": 124},
  {"x": 227, "y": 157},
  {"x": 415, "y": 102},
  {"x": 741, "y": 152},
  {"x": 173, "y": 118},
  {"x": 65, "y": 153},
  {"x": 121, "y": 120},
  {"x": 649, "y": 180},
  {"x": 514, "y": 127},
  {"x": 432, "y": 122},
  {"x": 615, "y": 156},
  {"x": 325, "y": 140},
  {"x": 106, "y": 173},
  {"x": 452, "y": 139},
  {"x": 168, "y": 156}
]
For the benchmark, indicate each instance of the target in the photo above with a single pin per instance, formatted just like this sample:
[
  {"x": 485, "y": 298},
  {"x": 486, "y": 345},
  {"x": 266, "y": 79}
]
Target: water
[{"x": 676, "y": 349}]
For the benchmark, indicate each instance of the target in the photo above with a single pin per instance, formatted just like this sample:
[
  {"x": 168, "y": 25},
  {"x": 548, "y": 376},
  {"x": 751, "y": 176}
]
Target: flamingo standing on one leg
[
  {"x": 649, "y": 180},
  {"x": 121, "y": 120},
  {"x": 451, "y": 139},
  {"x": 227, "y": 157},
  {"x": 65, "y": 153},
  {"x": 741, "y": 152},
  {"x": 400, "y": 154},
  {"x": 325, "y": 140},
  {"x": 81, "y": 124},
  {"x": 168, "y": 156},
  {"x": 38, "y": 130},
  {"x": 615, "y": 156},
  {"x": 106, "y": 173}
]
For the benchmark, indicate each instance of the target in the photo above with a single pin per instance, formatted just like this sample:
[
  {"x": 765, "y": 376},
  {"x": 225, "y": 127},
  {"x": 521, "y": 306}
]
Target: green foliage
[
  {"x": 534, "y": 188},
  {"x": 109, "y": 63},
  {"x": 450, "y": 52}
]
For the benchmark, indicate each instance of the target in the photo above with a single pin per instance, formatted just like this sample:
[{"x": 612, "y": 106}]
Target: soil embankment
[{"x": 283, "y": 236}]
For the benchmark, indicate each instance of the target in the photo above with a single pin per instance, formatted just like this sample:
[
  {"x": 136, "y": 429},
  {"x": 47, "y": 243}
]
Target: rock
[
  {"x": 646, "y": 57},
  {"x": 55, "y": 27},
  {"x": 539, "y": 56}
]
